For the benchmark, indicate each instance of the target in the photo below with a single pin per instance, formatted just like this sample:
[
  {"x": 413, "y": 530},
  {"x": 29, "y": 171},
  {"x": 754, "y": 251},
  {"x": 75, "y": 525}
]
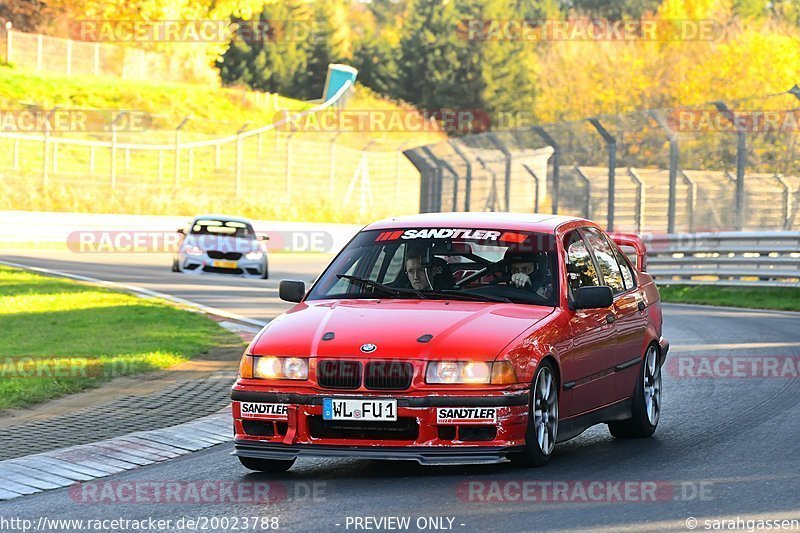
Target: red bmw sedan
[{"x": 456, "y": 338}]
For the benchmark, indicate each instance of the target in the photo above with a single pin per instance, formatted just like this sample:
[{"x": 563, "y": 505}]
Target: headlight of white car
[
  {"x": 255, "y": 255},
  {"x": 280, "y": 368}
]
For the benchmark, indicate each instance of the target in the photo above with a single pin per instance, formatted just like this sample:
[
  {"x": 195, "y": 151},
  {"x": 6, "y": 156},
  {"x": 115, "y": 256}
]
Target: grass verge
[
  {"x": 61, "y": 337},
  {"x": 778, "y": 298}
]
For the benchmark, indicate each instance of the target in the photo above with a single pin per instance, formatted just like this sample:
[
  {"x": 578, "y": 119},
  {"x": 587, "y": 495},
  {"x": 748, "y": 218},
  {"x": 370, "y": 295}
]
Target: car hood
[{"x": 458, "y": 329}]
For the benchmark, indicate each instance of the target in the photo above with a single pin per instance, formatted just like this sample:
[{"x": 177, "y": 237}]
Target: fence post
[
  {"x": 507, "y": 154},
  {"x": 741, "y": 154},
  {"x": 556, "y": 159},
  {"x": 96, "y": 62},
  {"x": 535, "y": 184},
  {"x": 468, "y": 180},
  {"x": 191, "y": 164},
  {"x": 787, "y": 202},
  {"x": 55, "y": 158},
  {"x": 113, "y": 155},
  {"x": 16, "y": 154},
  {"x": 289, "y": 166},
  {"x": 640, "y": 199},
  {"x": 69, "y": 57},
  {"x": 332, "y": 161},
  {"x": 177, "y": 176},
  {"x": 587, "y": 208},
  {"x": 39, "y": 46},
  {"x": 691, "y": 200},
  {"x": 674, "y": 155},
  {"x": 238, "y": 173},
  {"x": 611, "y": 144},
  {"x": 46, "y": 154},
  {"x": 8, "y": 42}
]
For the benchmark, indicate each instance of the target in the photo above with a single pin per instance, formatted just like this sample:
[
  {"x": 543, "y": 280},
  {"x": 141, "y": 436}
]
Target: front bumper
[
  {"x": 415, "y": 436},
  {"x": 203, "y": 264}
]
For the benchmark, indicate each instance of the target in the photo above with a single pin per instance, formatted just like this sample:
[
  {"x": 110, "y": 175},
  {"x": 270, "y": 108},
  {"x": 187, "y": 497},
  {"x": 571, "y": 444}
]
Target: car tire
[
  {"x": 542, "y": 431},
  {"x": 646, "y": 401},
  {"x": 175, "y": 266},
  {"x": 266, "y": 465}
]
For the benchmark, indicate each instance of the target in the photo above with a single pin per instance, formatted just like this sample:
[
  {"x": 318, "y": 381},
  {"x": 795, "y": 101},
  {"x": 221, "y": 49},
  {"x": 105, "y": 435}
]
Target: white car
[{"x": 218, "y": 244}]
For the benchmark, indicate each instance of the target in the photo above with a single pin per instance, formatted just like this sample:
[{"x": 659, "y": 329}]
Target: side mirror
[
  {"x": 181, "y": 231},
  {"x": 263, "y": 238},
  {"x": 594, "y": 297},
  {"x": 292, "y": 291}
]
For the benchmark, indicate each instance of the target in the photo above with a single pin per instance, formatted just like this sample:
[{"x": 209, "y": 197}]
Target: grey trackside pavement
[{"x": 725, "y": 446}]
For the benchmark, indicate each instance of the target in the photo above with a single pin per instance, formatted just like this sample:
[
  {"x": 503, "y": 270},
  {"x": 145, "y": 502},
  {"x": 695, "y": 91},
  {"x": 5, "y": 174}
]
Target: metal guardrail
[{"x": 755, "y": 259}]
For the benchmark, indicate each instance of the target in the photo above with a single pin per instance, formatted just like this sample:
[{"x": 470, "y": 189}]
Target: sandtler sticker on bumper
[
  {"x": 466, "y": 415},
  {"x": 265, "y": 411}
]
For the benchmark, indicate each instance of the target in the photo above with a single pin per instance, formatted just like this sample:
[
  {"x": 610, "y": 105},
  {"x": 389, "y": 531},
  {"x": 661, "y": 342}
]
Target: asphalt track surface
[{"x": 726, "y": 447}]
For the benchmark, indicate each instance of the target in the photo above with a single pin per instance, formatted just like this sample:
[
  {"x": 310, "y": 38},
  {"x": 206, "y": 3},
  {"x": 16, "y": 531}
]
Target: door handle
[{"x": 610, "y": 318}]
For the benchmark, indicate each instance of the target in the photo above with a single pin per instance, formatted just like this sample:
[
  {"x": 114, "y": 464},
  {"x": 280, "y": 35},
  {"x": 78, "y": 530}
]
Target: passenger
[{"x": 530, "y": 272}]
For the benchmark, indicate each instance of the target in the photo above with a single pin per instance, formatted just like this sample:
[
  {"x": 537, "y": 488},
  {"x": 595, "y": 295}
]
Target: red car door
[
  {"x": 629, "y": 311},
  {"x": 587, "y": 353}
]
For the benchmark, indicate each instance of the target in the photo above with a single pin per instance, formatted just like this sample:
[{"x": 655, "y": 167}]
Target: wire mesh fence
[{"x": 711, "y": 167}]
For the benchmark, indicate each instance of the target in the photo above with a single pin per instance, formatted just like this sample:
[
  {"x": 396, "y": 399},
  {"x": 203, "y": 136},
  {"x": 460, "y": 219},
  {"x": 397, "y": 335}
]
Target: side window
[
  {"x": 580, "y": 269},
  {"x": 625, "y": 267},
  {"x": 606, "y": 261}
]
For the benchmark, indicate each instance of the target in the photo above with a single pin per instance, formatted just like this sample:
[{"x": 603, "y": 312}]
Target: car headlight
[
  {"x": 193, "y": 250},
  {"x": 255, "y": 255},
  {"x": 280, "y": 368},
  {"x": 466, "y": 372},
  {"x": 450, "y": 372}
]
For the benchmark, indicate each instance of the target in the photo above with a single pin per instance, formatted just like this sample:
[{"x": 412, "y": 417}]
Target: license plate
[
  {"x": 359, "y": 409},
  {"x": 225, "y": 264},
  {"x": 264, "y": 411}
]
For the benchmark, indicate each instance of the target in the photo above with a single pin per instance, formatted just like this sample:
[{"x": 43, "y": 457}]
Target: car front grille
[
  {"x": 218, "y": 270},
  {"x": 339, "y": 374},
  {"x": 230, "y": 256},
  {"x": 388, "y": 375}
]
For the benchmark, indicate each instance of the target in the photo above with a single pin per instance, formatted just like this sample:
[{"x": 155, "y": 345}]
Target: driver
[
  {"x": 436, "y": 276},
  {"x": 417, "y": 274}
]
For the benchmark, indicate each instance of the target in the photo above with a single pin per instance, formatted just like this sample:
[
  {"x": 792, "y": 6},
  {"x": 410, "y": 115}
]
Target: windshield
[
  {"x": 444, "y": 263},
  {"x": 230, "y": 228}
]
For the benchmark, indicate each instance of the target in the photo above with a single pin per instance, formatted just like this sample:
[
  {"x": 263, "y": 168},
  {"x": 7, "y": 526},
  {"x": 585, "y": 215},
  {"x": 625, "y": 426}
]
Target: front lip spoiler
[
  {"x": 423, "y": 455},
  {"x": 506, "y": 400}
]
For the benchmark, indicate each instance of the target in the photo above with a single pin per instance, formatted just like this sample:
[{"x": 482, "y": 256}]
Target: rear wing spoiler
[{"x": 633, "y": 241}]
